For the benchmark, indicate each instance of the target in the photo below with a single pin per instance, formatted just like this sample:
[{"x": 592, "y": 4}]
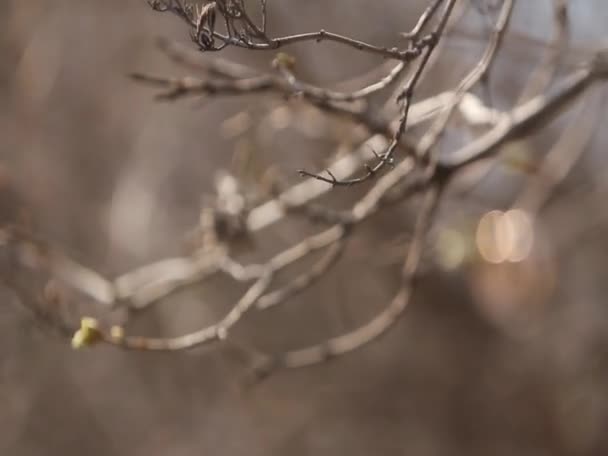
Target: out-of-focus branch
[
  {"x": 542, "y": 76},
  {"x": 562, "y": 157},
  {"x": 369, "y": 332},
  {"x": 531, "y": 115},
  {"x": 155, "y": 281}
]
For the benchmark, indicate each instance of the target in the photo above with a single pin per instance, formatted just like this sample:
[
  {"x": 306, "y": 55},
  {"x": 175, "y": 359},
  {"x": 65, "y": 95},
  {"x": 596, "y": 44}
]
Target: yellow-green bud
[
  {"x": 88, "y": 333},
  {"x": 284, "y": 60}
]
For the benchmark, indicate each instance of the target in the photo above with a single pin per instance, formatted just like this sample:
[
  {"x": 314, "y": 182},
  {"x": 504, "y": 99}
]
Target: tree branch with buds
[{"x": 385, "y": 177}]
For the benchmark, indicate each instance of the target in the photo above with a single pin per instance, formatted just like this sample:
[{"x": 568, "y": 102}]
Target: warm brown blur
[{"x": 504, "y": 349}]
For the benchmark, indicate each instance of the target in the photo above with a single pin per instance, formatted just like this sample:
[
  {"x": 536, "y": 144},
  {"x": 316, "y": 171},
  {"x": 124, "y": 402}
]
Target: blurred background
[{"x": 499, "y": 353}]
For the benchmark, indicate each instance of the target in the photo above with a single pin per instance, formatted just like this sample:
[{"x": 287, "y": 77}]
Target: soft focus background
[{"x": 490, "y": 359}]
